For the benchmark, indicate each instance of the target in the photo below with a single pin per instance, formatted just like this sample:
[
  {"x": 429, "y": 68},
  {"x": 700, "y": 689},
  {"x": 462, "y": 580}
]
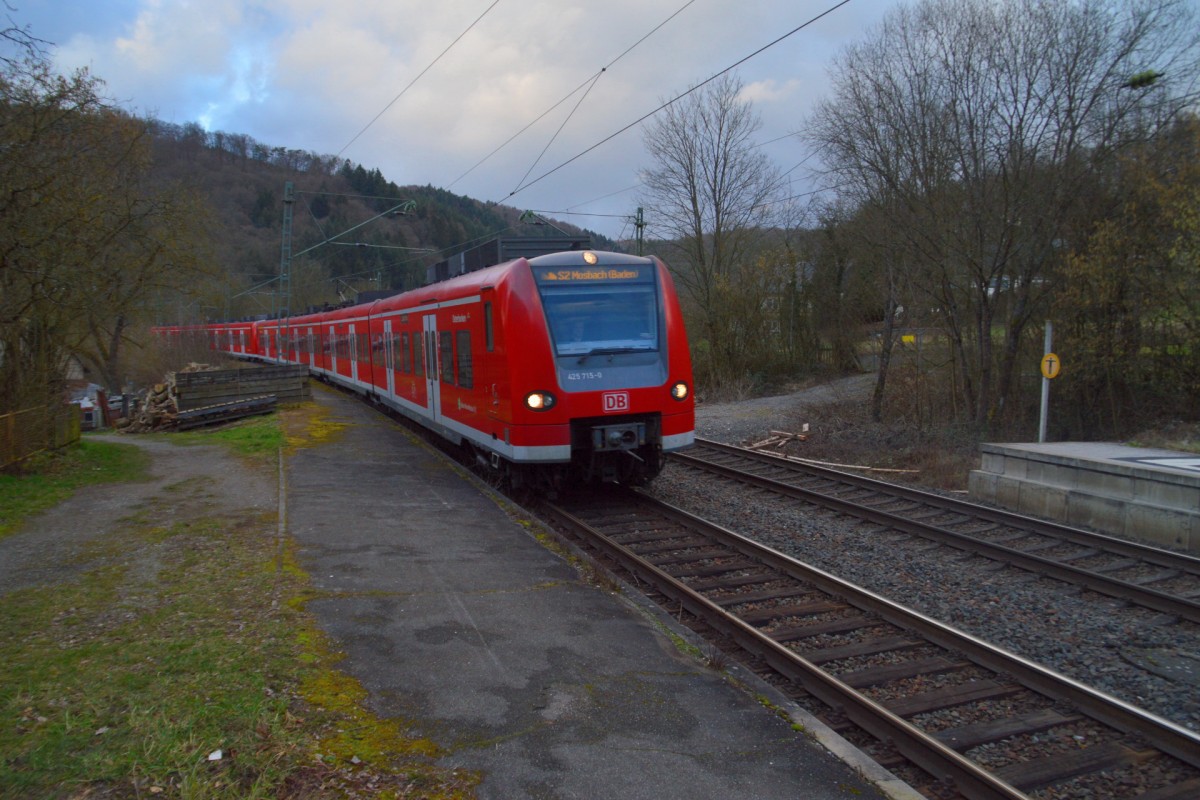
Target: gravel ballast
[{"x": 1147, "y": 659}]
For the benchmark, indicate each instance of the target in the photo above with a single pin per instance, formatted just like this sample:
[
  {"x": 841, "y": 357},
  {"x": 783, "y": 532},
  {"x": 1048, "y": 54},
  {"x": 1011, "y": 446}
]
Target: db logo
[{"x": 615, "y": 401}]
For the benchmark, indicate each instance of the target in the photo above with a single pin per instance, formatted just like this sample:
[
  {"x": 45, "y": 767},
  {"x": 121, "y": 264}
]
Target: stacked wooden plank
[
  {"x": 289, "y": 384},
  {"x": 200, "y": 395},
  {"x": 224, "y": 412}
]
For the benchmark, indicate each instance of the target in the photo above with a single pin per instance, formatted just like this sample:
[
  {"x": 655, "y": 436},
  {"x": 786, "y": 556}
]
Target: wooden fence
[{"x": 35, "y": 430}]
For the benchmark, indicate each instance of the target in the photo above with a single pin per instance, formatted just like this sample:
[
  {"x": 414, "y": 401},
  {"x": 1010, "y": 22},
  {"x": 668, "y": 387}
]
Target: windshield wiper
[{"x": 611, "y": 351}]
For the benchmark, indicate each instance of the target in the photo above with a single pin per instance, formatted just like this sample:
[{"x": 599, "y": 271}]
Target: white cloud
[
  {"x": 769, "y": 91},
  {"x": 310, "y": 74}
]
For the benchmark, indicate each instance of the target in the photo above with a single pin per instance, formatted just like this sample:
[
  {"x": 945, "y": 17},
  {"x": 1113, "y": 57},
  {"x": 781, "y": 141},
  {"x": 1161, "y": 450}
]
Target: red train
[{"x": 565, "y": 368}]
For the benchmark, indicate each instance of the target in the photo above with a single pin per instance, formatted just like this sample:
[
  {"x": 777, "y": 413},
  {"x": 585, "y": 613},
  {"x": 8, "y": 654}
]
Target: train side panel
[{"x": 571, "y": 366}]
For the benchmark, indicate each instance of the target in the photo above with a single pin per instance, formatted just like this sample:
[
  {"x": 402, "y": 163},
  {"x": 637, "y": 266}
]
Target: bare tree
[
  {"x": 708, "y": 195},
  {"x": 87, "y": 242},
  {"x": 984, "y": 127}
]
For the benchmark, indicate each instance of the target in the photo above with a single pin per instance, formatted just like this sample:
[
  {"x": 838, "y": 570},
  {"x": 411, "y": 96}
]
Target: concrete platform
[
  {"x": 1148, "y": 494},
  {"x": 459, "y": 622}
]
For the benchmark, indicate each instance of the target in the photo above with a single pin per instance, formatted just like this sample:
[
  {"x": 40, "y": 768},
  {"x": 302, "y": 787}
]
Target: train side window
[
  {"x": 401, "y": 360},
  {"x": 466, "y": 377},
  {"x": 419, "y": 352},
  {"x": 377, "y": 345},
  {"x": 487, "y": 327},
  {"x": 446, "y": 356}
]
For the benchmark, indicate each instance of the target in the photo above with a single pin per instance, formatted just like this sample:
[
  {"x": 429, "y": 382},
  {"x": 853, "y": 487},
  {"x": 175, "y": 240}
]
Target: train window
[
  {"x": 466, "y": 378},
  {"x": 419, "y": 352},
  {"x": 487, "y": 327},
  {"x": 400, "y": 359},
  {"x": 609, "y": 318},
  {"x": 446, "y": 356},
  {"x": 377, "y": 345}
]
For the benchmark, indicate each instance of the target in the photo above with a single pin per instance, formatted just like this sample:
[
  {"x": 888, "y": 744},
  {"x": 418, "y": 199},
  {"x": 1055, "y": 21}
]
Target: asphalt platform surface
[{"x": 459, "y": 622}]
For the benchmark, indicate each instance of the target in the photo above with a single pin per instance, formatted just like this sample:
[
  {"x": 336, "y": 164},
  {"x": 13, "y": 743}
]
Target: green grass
[
  {"x": 171, "y": 638},
  {"x": 51, "y": 478},
  {"x": 129, "y": 676},
  {"x": 256, "y": 437}
]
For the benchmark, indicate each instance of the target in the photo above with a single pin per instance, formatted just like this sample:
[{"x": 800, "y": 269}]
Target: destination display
[{"x": 572, "y": 274}]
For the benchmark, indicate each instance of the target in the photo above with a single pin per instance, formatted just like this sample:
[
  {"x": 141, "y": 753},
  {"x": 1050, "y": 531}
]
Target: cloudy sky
[{"x": 314, "y": 75}]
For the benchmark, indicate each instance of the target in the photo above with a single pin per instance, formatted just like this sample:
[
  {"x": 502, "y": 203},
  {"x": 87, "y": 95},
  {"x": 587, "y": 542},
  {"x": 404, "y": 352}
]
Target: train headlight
[
  {"x": 680, "y": 391},
  {"x": 539, "y": 401}
]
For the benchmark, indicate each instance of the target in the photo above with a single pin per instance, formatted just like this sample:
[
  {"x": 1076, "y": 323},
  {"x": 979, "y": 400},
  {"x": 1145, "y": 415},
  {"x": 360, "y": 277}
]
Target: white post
[{"x": 1046, "y": 383}]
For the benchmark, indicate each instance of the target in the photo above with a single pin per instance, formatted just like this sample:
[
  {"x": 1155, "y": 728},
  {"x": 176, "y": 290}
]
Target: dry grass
[
  {"x": 1183, "y": 436},
  {"x": 843, "y": 433},
  {"x": 919, "y": 434}
]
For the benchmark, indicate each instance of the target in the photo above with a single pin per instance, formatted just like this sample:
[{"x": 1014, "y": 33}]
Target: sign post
[{"x": 1051, "y": 366}]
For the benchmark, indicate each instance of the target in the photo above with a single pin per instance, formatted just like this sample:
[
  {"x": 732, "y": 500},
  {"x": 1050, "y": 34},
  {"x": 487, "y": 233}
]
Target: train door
[
  {"x": 312, "y": 353},
  {"x": 333, "y": 351},
  {"x": 432, "y": 388},
  {"x": 353, "y": 355},
  {"x": 389, "y": 357}
]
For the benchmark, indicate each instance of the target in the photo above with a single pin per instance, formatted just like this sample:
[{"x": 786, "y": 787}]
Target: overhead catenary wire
[
  {"x": 598, "y": 199},
  {"x": 677, "y": 98},
  {"x": 414, "y": 80},
  {"x": 560, "y": 127},
  {"x": 590, "y": 81}
]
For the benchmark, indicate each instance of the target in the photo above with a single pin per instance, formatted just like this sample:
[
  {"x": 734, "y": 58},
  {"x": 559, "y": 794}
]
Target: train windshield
[{"x": 602, "y": 317}]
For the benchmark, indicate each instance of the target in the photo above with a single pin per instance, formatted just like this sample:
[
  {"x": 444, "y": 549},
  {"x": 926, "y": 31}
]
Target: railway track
[
  {"x": 1145, "y": 576},
  {"x": 978, "y": 721}
]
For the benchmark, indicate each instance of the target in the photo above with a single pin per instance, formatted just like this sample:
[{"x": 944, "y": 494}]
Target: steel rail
[
  {"x": 933, "y": 756},
  {"x": 1164, "y": 734},
  {"x": 914, "y": 744},
  {"x": 1154, "y": 599},
  {"x": 1111, "y": 544}
]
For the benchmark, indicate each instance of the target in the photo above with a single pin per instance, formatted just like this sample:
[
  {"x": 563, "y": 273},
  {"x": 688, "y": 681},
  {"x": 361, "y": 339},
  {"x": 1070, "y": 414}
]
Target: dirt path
[
  {"x": 184, "y": 482},
  {"x": 744, "y": 420}
]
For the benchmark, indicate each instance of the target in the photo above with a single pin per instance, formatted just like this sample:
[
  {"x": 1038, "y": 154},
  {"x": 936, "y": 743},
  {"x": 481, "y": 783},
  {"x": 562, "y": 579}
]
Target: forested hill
[{"x": 242, "y": 181}]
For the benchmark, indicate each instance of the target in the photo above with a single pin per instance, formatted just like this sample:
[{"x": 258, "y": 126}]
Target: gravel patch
[
  {"x": 184, "y": 482},
  {"x": 1147, "y": 659}
]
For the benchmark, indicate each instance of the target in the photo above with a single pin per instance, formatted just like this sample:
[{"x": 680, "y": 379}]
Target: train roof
[{"x": 464, "y": 285}]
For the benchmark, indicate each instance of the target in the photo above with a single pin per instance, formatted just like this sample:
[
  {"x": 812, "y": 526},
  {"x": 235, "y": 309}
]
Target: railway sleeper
[
  {"x": 762, "y": 596},
  {"x": 666, "y": 544},
  {"x": 871, "y": 647},
  {"x": 698, "y": 554},
  {"x": 965, "y": 737},
  {"x": 961, "y": 694},
  {"x": 1036, "y": 773},
  {"x": 843, "y": 625},
  {"x": 811, "y": 608},
  {"x": 874, "y": 676}
]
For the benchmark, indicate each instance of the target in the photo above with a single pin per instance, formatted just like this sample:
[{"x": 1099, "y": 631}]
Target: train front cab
[{"x": 620, "y": 362}]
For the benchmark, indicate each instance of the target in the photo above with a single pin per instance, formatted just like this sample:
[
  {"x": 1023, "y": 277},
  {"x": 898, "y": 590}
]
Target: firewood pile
[
  {"x": 159, "y": 409},
  {"x": 155, "y": 412}
]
